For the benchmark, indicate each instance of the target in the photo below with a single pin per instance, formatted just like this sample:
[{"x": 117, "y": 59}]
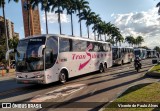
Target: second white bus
[{"x": 122, "y": 55}]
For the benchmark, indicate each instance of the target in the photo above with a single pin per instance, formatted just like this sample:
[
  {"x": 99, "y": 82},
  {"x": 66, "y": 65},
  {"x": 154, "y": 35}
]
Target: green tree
[
  {"x": 88, "y": 16},
  {"x": 139, "y": 40},
  {"x": 81, "y": 5},
  {"x": 130, "y": 39},
  {"x": 96, "y": 20},
  {"x": 2, "y": 5},
  {"x": 157, "y": 49},
  {"x": 111, "y": 41},
  {"x": 3, "y": 49},
  {"x": 71, "y": 9},
  {"x": 158, "y": 5},
  {"x": 13, "y": 42}
]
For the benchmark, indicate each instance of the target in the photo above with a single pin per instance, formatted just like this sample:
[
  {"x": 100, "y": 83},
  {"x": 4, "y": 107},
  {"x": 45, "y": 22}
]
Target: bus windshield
[
  {"x": 137, "y": 52},
  {"x": 27, "y": 59}
]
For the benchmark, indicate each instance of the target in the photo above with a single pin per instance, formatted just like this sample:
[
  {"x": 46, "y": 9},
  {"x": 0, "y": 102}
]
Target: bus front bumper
[{"x": 30, "y": 81}]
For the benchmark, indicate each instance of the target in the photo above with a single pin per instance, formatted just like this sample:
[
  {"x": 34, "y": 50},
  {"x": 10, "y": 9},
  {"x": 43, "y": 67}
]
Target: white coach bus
[
  {"x": 122, "y": 55},
  {"x": 140, "y": 52},
  {"x": 151, "y": 53},
  {"x": 48, "y": 58}
]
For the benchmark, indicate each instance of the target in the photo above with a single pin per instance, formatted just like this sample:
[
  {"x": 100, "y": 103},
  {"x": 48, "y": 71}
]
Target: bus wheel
[
  {"x": 101, "y": 68},
  {"x": 105, "y": 67},
  {"x": 63, "y": 77},
  {"x": 122, "y": 63}
]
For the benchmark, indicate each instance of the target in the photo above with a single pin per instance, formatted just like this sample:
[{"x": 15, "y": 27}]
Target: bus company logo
[
  {"x": 93, "y": 55},
  {"x": 81, "y": 66}
]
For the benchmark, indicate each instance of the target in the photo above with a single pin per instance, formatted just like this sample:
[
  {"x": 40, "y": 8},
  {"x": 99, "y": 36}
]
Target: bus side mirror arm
[
  {"x": 8, "y": 52},
  {"x": 40, "y": 50}
]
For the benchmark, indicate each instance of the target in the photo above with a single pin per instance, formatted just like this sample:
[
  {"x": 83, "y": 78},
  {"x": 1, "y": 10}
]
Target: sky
[{"x": 132, "y": 17}]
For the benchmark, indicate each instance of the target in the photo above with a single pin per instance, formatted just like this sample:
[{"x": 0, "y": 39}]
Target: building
[
  {"x": 9, "y": 28},
  {"x": 16, "y": 34},
  {"x": 35, "y": 28}
]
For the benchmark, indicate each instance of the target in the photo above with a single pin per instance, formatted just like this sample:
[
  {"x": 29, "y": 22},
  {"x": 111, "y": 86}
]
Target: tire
[
  {"x": 137, "y": 69},
  {"x": 101, "y": 68},
  {"x": 63, "y": 77},
  {"x": 105, "y": 67},
  {"x": 122, "y": 63}
]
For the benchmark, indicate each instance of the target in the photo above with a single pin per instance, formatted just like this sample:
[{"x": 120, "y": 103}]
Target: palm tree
[
  {"x": 71, "y": 9},
  {"x": 120, "y": 39},
  {"x": 139, "y": 40},
  {"x": 111, "y": 41},
  {"x": 88, "y": 16},
  {"x": 130, "y": 39},
  {"x": 96, "y": 20},
  {"x": 60, "y": 5},
  {"x": 114, "y": 33},
  {"x": 44, "y": 6},
  {"x": 158, "y": 5},
  {"x": 81, "y": 4}
]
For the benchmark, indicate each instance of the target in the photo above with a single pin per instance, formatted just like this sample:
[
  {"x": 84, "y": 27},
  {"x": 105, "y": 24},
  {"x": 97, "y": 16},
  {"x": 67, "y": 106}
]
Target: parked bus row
[{"x": 48, "y": 58}]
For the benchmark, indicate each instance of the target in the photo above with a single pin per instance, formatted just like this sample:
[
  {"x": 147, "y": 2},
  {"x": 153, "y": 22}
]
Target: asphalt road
[{"x": 87, "y": 92}]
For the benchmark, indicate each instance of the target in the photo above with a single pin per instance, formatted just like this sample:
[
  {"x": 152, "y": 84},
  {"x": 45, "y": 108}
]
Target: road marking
[{"x": 60, "y": 92}]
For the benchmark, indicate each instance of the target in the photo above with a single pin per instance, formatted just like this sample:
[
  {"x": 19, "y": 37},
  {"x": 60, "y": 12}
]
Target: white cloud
[
  {"x": 53, "y": 18},
  {"x": 146, "y": 24}
]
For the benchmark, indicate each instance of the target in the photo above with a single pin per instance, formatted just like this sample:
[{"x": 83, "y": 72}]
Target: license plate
[{"x": 26, "y": 81}]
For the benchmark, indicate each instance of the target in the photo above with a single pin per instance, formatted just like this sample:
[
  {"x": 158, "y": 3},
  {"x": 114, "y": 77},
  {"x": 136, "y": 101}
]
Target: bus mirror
[
  {"x": 40, "y": 50},
  {"x": 8, "y": 52}
]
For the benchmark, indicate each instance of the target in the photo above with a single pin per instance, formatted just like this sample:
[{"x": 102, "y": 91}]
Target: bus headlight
[{"x": 39, "y": 76}]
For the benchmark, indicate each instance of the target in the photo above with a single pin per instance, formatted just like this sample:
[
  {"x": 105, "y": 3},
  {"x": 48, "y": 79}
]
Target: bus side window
[
  {"x": 64, "y": 45},
  {"x": 101, "y": 47},
  {"x": 79, "y": 45},
  {"x": 96, "y": 48}
]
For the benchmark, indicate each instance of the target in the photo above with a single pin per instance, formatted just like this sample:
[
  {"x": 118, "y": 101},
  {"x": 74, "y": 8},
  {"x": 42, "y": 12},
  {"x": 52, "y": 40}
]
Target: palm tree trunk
[
  {"x": 88, "y": 30},
  {"x": 80, "y": 24},
  {"x": 120, "y": 44},
  {"x": 46, "y": 22},
  {"x": 72, "y": 23},
  {"x": 98, "y": 37},
  {"x": 94, "y": 35},
  {"x": 59, "y": 20},
  {"x": 105, "y": 38},
  {"x": 5, "y": 29}
]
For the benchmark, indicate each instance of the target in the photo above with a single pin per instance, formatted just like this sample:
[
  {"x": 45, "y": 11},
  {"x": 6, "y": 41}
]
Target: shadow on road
[{"x": 97, "y": 92}]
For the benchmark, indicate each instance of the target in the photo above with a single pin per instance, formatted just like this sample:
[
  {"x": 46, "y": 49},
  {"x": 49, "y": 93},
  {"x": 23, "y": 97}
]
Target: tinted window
[
  {"x": 79, "y": 45},
  {"x": 64, "y": 45},
  {"x": 51, "y": 52},
  {"x": 101, "y": 48}
]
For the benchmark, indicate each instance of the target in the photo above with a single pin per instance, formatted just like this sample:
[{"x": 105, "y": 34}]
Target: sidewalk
[{"x": 6, "y": 76}]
